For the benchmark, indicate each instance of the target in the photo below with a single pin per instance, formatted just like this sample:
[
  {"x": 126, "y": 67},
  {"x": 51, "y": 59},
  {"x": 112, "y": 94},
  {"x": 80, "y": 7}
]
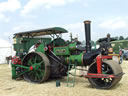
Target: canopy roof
[{"x": 47, "y": 31}]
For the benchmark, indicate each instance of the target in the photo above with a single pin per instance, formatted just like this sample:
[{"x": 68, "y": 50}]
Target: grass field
[{"x": 9, "y": 87}]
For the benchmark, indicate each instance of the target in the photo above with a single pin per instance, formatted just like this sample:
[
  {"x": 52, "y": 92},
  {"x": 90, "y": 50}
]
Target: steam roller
[
  {"x": 40, "y": 59},
  {"x": 108, "y": 67}
]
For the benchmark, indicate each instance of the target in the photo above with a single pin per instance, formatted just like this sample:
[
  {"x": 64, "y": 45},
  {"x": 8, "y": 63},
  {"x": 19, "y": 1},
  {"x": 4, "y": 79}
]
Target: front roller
[
  {"x": 109, "y": 68},
  {"x": 39, "y": 67}
]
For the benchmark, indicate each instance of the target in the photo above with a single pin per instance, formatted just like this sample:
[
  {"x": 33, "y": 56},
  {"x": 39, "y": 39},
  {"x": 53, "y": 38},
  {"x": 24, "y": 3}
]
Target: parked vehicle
[{"x": 125, "y": 56}]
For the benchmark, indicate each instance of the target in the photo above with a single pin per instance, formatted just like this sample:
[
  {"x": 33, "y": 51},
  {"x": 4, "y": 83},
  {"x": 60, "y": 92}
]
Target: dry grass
[{"x": 9, "y": 87}]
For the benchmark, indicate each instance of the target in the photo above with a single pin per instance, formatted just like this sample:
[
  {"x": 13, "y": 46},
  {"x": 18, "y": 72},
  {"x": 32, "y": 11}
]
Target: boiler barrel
[{"x": 73, "y": 58}]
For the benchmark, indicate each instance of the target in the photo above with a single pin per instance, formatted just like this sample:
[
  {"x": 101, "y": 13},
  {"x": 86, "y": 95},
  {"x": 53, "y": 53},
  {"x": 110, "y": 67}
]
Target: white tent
[{"x": 5, "y": 51}]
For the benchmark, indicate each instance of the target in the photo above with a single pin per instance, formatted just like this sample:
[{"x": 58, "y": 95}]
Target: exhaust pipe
[
  {"x": 89, "y": 56},
  {"x": 87, "y": 35}
]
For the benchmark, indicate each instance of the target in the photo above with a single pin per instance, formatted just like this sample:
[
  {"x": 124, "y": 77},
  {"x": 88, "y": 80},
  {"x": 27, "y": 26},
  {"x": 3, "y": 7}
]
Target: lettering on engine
[{"x": 60, "y": 50}]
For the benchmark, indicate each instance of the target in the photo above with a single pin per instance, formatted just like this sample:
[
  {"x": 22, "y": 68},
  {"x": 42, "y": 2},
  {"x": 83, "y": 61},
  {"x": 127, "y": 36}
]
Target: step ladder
[{"x": 71, "y": 76}]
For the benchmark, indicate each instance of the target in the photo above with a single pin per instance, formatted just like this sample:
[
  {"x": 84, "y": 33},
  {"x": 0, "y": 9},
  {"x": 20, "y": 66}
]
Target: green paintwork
[
  {"x": 22, "y": 45},
  {"x": 13, "y": 71},
  {"x": 74, "y": 58},
  {"x": 15, "y": 74},
  {"x": 72, "y": 46},
  {"x": 61, "y": 50},
  {"x": 59, "y": 42},
  {"x": 59, "y": 29},
  {"x": 24, "y": 41},
  {"x": 32, "y": 63},
  {"x": 40, "y": 48},
  {"x": 38, "y": 66}
]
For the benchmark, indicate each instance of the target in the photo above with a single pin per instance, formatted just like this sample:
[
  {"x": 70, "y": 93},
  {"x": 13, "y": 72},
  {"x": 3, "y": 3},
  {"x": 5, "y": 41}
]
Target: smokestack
[
  {"x": 108, "y": 37},
  {"x": 87, "y": 35}
]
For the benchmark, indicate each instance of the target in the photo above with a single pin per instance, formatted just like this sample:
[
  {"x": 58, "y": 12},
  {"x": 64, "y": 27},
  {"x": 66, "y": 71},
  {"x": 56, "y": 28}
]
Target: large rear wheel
[
  {"x": 39, "y": 65},
  {"x": 109, "y": 67}
]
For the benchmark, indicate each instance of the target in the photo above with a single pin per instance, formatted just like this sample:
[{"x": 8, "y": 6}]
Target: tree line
[{"x": 121, "y": 38}]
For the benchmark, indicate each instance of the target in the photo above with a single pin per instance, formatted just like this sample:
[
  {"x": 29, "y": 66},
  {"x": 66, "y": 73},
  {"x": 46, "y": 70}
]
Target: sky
[{"x": 107, "y": 16}]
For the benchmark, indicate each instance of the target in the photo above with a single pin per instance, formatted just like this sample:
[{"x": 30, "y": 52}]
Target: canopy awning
[{"x": 40, "y": 32}]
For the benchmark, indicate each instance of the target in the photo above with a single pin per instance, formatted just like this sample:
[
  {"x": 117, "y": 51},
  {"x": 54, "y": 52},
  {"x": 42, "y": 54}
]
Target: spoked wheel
[
  {"x": 39, "y": 65},
  {"x": 109, "y": 67}
]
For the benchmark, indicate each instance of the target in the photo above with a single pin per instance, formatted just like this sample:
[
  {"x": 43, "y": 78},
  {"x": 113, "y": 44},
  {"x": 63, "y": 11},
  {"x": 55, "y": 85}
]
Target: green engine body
[
  {"x": 23, "y": 44},
  {"x": 59, "y": 48}
]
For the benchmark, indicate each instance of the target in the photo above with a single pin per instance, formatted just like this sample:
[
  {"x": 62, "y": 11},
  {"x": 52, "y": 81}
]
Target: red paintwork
[
  {"x": 37, "y": 45},
  {"x": 106, "y": 57},
  {"x": 92, "y": 75},
  {"x": 99, "y": 61},
  {"x": 120, "y": 53},
  {"x": 16, "y": 60},
  {"x": 99, "y": 68},
  {"x": 49, "y": 48},
  {"x": 45, "y": 48},
  {"x": 31, "y": 68}
]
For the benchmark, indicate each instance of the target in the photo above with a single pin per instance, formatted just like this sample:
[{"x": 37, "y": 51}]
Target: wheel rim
[
  {"x": 36, "y": 62},
  {"x": 109, "y": 67},
  {"x": 102, "y": 82}
]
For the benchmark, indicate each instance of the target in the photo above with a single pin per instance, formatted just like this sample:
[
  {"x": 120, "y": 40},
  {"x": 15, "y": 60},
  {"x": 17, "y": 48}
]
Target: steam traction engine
[{"x": 50, "y": 58}]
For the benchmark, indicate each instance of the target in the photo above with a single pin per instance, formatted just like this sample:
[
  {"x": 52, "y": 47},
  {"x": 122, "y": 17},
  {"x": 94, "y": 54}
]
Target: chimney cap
[
  {"x": 87, "y": 22},
  {"x": 108, "y": 35}
]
